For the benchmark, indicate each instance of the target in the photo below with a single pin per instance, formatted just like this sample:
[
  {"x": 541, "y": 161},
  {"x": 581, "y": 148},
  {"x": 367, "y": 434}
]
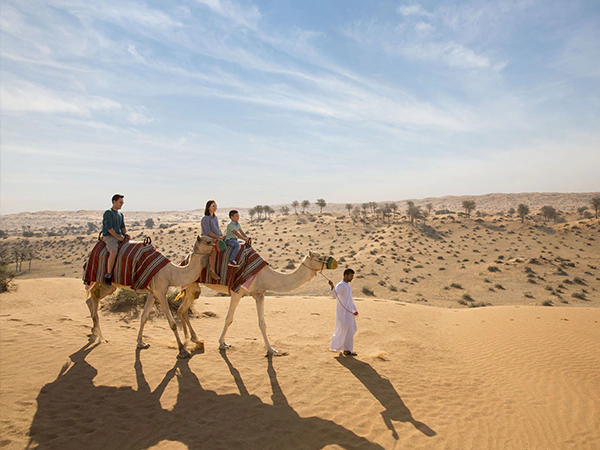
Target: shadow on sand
[
  {"x": 73, "y": 413},
  {"x": 384, "y": 392}
]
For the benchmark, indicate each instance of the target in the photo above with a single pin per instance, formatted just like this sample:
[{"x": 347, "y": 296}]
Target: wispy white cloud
[
  {"x": 426, "y": 90},
  {"x": 413, "y": 10},
  {"x": 240, "y": 15},
  {"x": 20, "y": 97}
]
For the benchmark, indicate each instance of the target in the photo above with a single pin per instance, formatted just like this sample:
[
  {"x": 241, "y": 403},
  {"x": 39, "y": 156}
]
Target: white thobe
[{"x": 345, "y": 321}]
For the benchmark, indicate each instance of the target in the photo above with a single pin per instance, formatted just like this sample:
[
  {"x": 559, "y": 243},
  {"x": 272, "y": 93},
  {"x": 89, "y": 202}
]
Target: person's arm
[
  {"x": 114, "y": 234},
  {"x": 332, "y": 289},
  {"x": 108, "y": 221},
  {"x": 124, "y": 229},
  {"x": 206, "y": 227},
  {"x": 240, "y": 234}
]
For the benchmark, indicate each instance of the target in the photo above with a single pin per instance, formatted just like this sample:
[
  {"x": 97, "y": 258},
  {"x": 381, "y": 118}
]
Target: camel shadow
[
  {"x": 75, "y": 413},
  {"x": 383, "y": 390}
]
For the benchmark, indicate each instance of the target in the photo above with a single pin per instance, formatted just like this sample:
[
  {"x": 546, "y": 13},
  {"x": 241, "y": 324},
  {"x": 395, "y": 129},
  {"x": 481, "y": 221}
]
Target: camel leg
[
  {"x": 260, "y": 309},
  {"x": 190, "y": 295},
  {"x": 233, "y": 304},
  {"x": 162, "y": 301},
  {"x": 95, "y": 294},
  {"x": 147, "y": 307}
]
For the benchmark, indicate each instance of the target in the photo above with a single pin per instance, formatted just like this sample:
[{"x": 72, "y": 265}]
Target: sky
[{"x": 172, "y": 103}]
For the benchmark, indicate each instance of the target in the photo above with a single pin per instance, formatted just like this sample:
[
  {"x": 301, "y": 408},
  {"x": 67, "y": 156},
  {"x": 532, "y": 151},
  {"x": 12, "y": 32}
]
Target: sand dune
[
  {"x": 435, "y": 368},
  {"x": 508, "y": 377}
]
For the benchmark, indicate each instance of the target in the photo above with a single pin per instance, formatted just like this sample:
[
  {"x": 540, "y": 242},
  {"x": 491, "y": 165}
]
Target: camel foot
[
  {"x": 273, "y": 352},
  {"x": 143, "y": 345},
  {"x": 224, "y": 346},
  {"x": 184, "y": 354},
  {"x": 97, "y": 339}
]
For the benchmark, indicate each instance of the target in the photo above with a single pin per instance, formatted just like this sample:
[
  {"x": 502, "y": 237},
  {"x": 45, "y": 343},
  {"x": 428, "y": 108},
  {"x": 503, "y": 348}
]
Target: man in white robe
[{"x": 345, "y": 315}]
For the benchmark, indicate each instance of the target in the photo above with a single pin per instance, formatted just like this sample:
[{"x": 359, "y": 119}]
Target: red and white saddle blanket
[
  {"x": 250, "y": 263},
  {"x": 136, "y": 264}
]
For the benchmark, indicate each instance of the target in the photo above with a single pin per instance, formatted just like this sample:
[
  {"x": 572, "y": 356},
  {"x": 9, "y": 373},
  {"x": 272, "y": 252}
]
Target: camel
[
  {"x": 266, "y": 280},
  {"x": 170, "y": 275}
]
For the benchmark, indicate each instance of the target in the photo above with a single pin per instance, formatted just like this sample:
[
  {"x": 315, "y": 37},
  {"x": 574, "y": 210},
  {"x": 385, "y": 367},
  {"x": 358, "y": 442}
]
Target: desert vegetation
[{"x": 399, "y": 249}]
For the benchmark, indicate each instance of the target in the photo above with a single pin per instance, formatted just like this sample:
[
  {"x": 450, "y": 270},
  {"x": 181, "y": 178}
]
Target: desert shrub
[
  {"x": 467, "y": 297},
  {"x": 579, "y": 295},
  {"x": 6, "y": 278},
  {"x": 547, "y": 303},
  {"x": 367, "y": 291},
  {"x": 493, "y": 269},
  {"x": 393, "y": 288},
  {"x": 528, "y": 295},
  {"x": 477, "y": 304},
  {"x": 456, "y": 286},
  {"x": 124, "y": 300}
]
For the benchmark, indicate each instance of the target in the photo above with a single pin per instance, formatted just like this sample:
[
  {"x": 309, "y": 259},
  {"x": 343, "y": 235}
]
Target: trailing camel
[{"x": 267, "y": 279}]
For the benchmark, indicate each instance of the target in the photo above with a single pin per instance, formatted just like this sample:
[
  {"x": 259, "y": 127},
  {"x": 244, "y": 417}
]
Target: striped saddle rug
[
  {"x": 136, "y": 264},
  {"x": 250, "y": 263}
]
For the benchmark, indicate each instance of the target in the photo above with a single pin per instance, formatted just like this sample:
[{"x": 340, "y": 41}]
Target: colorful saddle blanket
[
  {"x": 250, "y": 263},
  {"x": 136, "y": 264}
]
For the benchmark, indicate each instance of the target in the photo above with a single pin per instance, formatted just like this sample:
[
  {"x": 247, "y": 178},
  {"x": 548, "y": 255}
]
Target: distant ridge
[{"x": 487, "y": 202}]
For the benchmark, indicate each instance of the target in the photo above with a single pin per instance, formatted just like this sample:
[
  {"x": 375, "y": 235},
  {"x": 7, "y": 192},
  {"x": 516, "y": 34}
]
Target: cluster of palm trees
[
  {"x": 261, "y": 211},
  {"x": 386, "y": 212}
]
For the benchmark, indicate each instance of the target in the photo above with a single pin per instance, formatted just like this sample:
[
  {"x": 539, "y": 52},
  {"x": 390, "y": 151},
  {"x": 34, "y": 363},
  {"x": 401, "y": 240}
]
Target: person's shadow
[
  {"x": 383, "y": 390},
  {"x": 75, "y": 413}
]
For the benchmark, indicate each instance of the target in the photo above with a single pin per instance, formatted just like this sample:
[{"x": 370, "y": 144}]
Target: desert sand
[{"x": 522, "y": 370}]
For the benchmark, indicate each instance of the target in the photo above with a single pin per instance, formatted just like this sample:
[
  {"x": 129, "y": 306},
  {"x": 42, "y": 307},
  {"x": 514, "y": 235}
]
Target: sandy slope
[{"x": 508, "y": 377}]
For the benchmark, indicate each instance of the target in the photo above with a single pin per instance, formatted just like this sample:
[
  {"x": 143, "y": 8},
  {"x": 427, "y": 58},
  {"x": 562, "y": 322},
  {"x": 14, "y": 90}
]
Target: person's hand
[
  {"x": 127, "y": 237},
  {"x": 355, "y": 313},
  {"x": 330, "y": 283}
]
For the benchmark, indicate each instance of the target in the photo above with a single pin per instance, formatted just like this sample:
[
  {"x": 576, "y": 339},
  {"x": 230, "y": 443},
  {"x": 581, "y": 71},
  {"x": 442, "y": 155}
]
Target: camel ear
[
  {"x": 310, "y": 253},
  {"x": 198, "y": 239}
]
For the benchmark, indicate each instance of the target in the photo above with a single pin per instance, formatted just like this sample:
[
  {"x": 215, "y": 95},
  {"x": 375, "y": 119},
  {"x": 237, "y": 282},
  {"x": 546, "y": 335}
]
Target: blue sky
[{"x": 266, "y": 102}]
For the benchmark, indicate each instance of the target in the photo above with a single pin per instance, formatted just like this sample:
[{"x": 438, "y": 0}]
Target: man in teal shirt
[{"x": 113, "y": 232}]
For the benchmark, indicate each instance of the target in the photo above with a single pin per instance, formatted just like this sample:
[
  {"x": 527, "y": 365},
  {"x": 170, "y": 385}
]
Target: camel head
[
  {"x": 204, "y": 244},
  {"x": 316, "y": 262}
]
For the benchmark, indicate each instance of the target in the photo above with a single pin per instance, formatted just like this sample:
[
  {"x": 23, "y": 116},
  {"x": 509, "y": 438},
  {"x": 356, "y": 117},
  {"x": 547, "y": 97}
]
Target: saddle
[{"x": 136, "y": 264}]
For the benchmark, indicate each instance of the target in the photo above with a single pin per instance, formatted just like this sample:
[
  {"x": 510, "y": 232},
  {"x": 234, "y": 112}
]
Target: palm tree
[
  {"x": 522, "y": 211},
  {"x": 252, "y": 213},
  {"x": 365, "y": 208},
  {"x": 429, "y": 208},
  {"x": 413, "y": 212},
  {"x": 549, "y": 212},
  {"x": 305, "y": 204},
  {"x": 349, "y": 207},
  {"x": 394, "y": 208},
  {"x": 468, "y": 206},
  {"x": 259, "y": 210},
  {"x": 284, "y": 210},
  {"x": 595, "y": 202},
  {"x": 268, "y": 211},
  {"x": 322, "y": 204},
  {"x": 295, "y": 205}
]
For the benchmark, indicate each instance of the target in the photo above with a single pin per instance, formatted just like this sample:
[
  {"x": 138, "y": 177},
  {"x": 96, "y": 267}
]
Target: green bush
[
  {"x": 367, "y": 291},
  {"x": 6, "y": 278}
]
